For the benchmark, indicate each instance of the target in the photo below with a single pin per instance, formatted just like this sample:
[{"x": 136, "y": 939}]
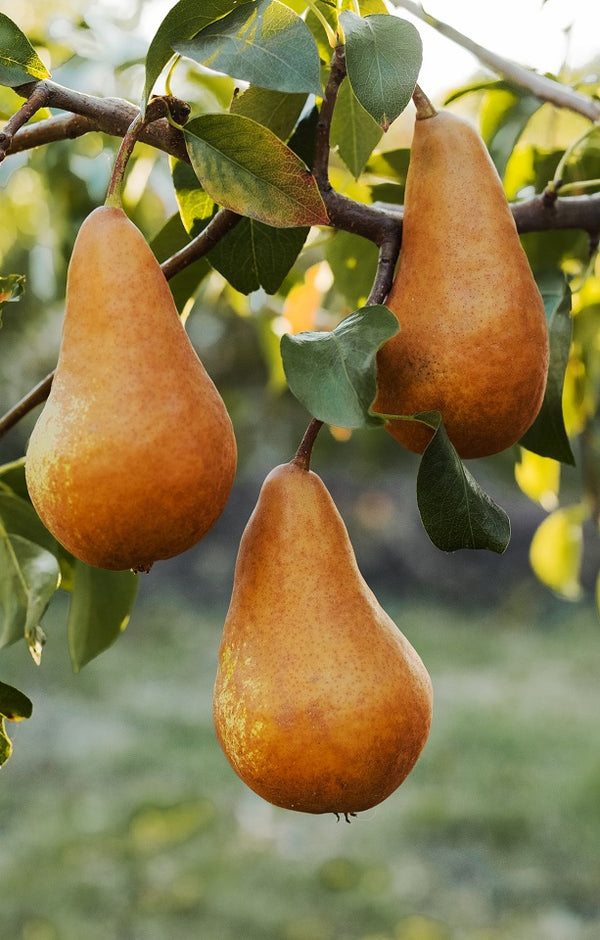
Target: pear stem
[
  {"x": 424, "y": 107},
  {"x": 114, "y": 196},
  {"x": 303, "y": 454}
]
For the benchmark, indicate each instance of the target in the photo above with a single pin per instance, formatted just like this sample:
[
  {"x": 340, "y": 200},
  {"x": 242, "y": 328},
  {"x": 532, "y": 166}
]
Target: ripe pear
[
  {"x": 133, "y": 456},
  {"x": 473, "y": 341},
  {"x": 320, "y": 702}
]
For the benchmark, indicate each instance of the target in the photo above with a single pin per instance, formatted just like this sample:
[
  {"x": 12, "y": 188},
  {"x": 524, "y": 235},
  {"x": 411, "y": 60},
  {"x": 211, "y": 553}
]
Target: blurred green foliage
[{"x": 124, "y": 821}]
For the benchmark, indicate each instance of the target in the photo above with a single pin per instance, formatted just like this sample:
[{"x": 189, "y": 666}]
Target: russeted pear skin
[
  {"x": 320, "y": 702},
  {"x": 133, "y": 456},
  {"x": 473, "y": 341}
]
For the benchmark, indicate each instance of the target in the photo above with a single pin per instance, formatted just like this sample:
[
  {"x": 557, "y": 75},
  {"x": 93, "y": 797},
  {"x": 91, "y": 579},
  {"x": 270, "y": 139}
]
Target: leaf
[
  {"x": 18, "y": 517},
  {"x": 171, "y": 239},
  {"x": 505, "y": 114},
  {"x": 277, "y": 110},
  {"x": 353, "y": 130},
  {"x": 99, "y": 612},
  {"x": 246, "y": 168},
  {"x": 539, "y": 478},
  {"x": 333, "y": 373},
  {"x": 254, "y": 255},
  {"x": 353, "y": 261},
  {"x": 556, "y": 551},
  {"x": 12, "y": 475},
  {"x": 455, "y": 511},
  {"x": 196, "y": 207},
  {"x": 263, "y": 43},
  {"x": 29, "y": 576},
  {"x": 11, "y": 288},
  {"x": 547, "y": 435},
  {"x": 383, "y": 60},
  {"x": 14, "y": 705},
  {"x": 5, "y": 744},
  {"x": 19, "y": 62},
  {"x": 182, "y": 22}
]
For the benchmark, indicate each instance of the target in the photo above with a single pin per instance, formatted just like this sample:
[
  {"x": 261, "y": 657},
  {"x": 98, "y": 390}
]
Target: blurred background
[{"x": 120, "y": 818}]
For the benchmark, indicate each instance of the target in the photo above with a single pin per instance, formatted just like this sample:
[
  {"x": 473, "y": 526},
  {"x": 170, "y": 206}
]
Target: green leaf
[
  {"x": 14, "y": 705},
  {"x": 277, "y": 110},
  {"x": 5, "y": 744},
  {"x": 99, "y": 612},
  {"x": 19, "y": 62},
  {"x": 383, "y": 60},
  {"x": 353, "y": 130},
  {"x": 182, "y": 22},
  {"x": 246, "y": 168},
  {"x": 455, "y": 511},
  {"x": 263, "y": 43},
  {"x": 547, "y": 435},
  {"x": 11, "y": 288},
  {"x": 170, "y": 239},
  {"x": 18, "y": 517},
  {"x": 333, "y": 373},
  {"x": 254, "y": 255},
  {"x": 196, "y": 207},
  {"x": 12, "y": 475},
  {"x": 504, "y": 115},
  {"x": 29, "y": 576},
  {"x": 353, "y": 262}
]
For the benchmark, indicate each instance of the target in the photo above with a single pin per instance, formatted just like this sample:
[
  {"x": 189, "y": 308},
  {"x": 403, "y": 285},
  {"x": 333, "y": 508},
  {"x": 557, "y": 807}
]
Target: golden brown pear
[
  {"x": 133, "y": 456},
  {"x": 320, "y": 703},
  {"x": 473, "y": 340}
]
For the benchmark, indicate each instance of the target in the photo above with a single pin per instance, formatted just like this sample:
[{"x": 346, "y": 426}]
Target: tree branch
[
  {"x": 337, "y": 74},
  {"x": 547, "y": 89},
  {"x": 541, "y": 213},
  {"x": 110, "y": 115}
]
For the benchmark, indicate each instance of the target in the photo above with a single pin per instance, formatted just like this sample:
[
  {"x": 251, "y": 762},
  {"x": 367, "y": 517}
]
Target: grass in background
[{"x": 121, "y": 820}]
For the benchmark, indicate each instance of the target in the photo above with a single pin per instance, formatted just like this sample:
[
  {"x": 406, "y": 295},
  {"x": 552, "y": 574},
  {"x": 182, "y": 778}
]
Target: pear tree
[{"x": 270, "y": 120}]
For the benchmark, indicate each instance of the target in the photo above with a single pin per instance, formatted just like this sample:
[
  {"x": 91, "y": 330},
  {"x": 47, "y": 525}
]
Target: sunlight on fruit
[
  {"x": 539, "y": 478},
  {"x": 556, "y": 551}
]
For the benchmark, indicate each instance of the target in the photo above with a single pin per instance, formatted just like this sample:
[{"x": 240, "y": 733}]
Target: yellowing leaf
[
  {"x": 556, "y": 551},
  {"x": 340, "y": 434},
  {"x": 539, "y": 478},
  {"x": 577, "y": 399}
]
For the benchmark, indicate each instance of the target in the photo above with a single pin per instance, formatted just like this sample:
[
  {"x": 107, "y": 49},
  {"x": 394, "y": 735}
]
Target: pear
[
  {"x": 320, "y": 702},
  {"x": 133, "y": 456},
  {"x": 473, "y": 341}
]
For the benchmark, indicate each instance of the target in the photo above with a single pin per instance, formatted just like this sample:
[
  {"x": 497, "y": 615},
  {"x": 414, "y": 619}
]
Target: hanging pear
[
  {"x": 320, "y": 702},
  {"x": 133, "y": 456},
  {"x": 473, "y": 340}
]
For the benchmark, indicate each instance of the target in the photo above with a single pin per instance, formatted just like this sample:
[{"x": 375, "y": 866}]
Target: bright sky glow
[{"x": 542, "y": 36}]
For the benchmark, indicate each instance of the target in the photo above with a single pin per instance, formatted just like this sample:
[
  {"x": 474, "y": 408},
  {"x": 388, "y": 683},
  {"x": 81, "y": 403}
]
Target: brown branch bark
[{"x": 110, "y": 115}]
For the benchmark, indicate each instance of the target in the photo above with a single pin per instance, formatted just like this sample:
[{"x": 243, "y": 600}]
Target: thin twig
[
  {"x": 217, "y": 228},
  {"x": 386, "y": 265},
  {"x": 35, "y": 397},
  {"x": 37, "y": 100},
  {"x": 543, "y": 87},
  {"x": 337, "y": 74}
]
